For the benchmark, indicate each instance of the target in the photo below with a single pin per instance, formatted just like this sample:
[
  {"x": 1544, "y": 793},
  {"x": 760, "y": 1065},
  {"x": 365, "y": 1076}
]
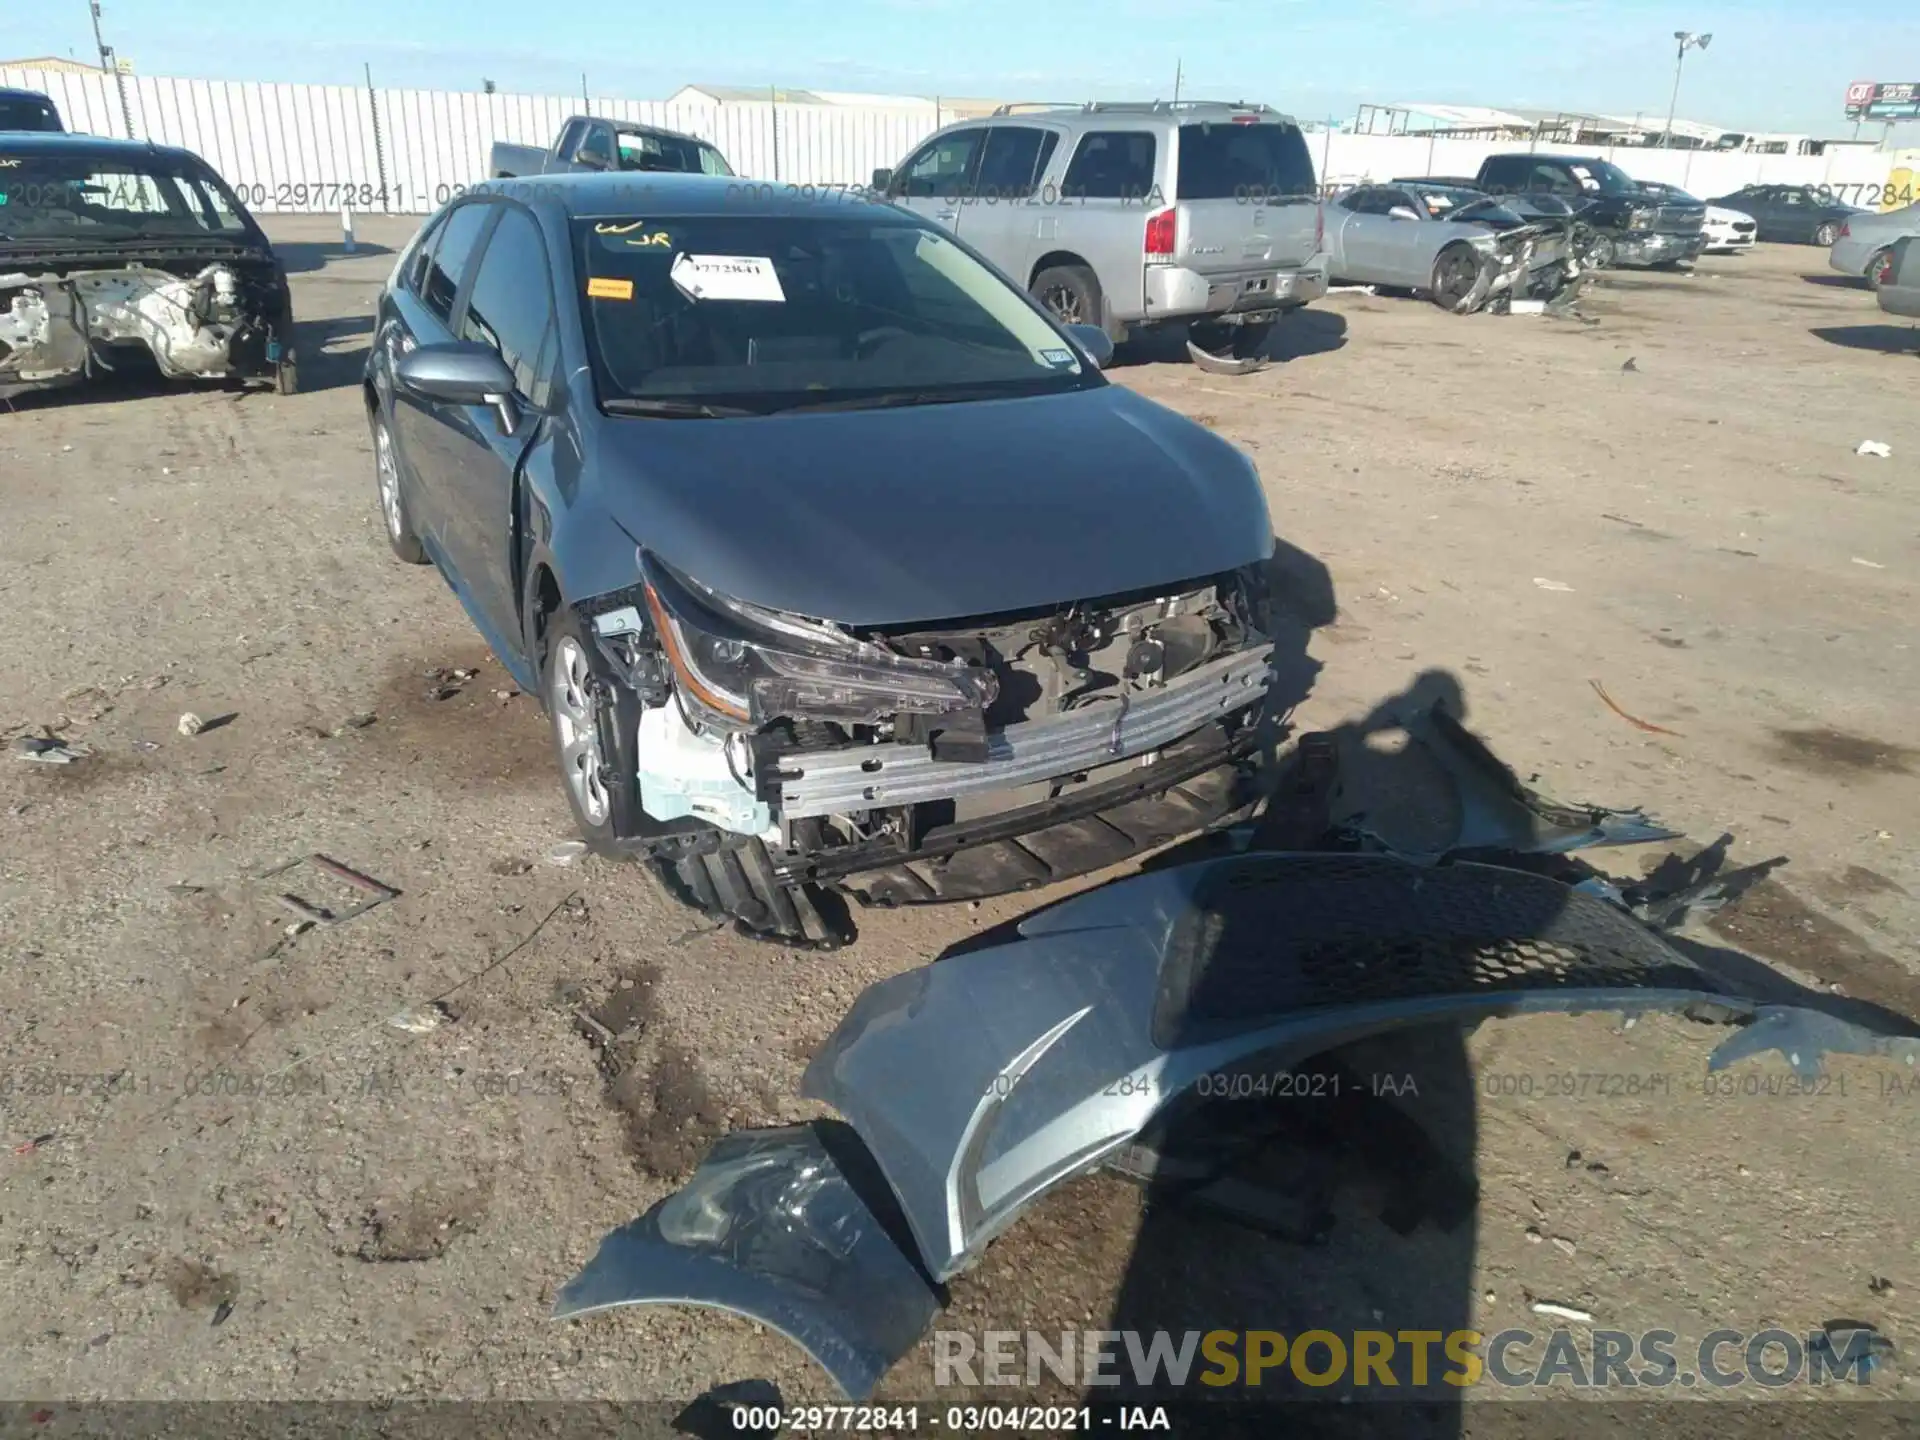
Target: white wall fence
[{"x": 308, "y": 148}]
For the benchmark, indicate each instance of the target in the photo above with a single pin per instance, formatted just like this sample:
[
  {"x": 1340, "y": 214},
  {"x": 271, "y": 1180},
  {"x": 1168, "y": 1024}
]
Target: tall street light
[{"x": 1688, "y": 40}]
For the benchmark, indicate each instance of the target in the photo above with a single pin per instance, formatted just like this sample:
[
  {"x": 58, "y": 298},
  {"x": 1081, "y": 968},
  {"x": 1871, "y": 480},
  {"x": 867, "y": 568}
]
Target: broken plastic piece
[
  {"x": 1497, "y": 812},
  {"x": 771, "y": 1228},
  {"x": 1878, "y": 448}
]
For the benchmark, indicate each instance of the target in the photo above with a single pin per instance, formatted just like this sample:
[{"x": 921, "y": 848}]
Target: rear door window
[
  {"x": 1224, "y": 161},
  {"x": 451, "y": 256},
  {"x": 1111, "y": 165}
]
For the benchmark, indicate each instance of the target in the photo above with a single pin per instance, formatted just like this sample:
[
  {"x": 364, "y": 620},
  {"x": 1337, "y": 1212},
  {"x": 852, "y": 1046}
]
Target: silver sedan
[{"x": 1458, "y": 246}]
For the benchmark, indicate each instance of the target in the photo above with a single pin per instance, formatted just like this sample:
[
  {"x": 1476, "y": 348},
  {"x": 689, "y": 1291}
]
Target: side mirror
[
  {"x": 1095, "y": 342},
  {"x": 1401, "y": 212},
  {"x": 462, "y": 372},
  {"x": 882, "y": 178}
]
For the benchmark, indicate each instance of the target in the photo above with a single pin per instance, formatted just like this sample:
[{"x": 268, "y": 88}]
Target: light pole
[
  {"x": 112, "y": 66},
  {"x": 1687, "y": 40}
]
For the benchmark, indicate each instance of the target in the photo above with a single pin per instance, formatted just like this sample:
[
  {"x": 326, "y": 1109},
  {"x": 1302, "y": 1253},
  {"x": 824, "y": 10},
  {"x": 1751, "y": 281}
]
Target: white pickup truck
[{"x": 587, "y": 142}]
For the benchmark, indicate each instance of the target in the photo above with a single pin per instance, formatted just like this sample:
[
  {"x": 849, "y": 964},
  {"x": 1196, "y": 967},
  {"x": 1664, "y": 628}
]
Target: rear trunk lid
[{"x": 1245, "y": 195}]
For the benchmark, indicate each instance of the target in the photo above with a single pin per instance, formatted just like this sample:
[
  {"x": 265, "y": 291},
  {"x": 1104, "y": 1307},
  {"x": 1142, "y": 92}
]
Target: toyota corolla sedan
[{"x": 839, "y": 567}]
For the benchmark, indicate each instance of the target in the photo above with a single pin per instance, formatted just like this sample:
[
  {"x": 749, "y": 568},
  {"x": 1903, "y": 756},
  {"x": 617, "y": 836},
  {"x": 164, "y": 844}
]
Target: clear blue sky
[{"x": 1772, "y": 65}]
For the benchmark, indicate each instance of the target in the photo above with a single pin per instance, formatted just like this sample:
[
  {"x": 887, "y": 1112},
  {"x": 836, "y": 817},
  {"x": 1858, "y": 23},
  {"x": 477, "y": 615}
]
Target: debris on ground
[
  {"x": 1878, "y": 448},
  {"x": 29, "y": 1146},
  {"x": 1562, "y": 1312},
  {"x": 1846, "y": 1343},
  {"x": 1879, "y": 1285},
  {"x": 376, "y": 892},
  {"x": 1633, "y": 720},
  {"x": 1629, "y": 367},
  {"x": 1870, "y": 564},
  {"x": 191, "y": 724},
  {"x": 48, "y": 750},
  {"x": 358, "y": 721},
  {"x": 1555, "y": 585},
  {"x": 566, "y": 852},
  {"x": 422, "y": 1018}
]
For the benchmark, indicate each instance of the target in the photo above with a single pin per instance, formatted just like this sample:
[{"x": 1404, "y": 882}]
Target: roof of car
[
  {"x": 58, "y": 143},
  {"x": 659, "y": 192}
]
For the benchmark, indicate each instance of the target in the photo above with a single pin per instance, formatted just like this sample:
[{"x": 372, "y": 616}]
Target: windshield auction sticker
[
  {"x": 601, "y": 287},
  {"x": 727, "y": 277}
]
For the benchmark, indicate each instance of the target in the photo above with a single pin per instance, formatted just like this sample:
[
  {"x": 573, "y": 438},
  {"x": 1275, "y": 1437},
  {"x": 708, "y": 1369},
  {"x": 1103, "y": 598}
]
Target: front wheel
[
  {"x": 393, "y": 501},
  {"x": 1456, "y": 272},
  {"x": 1601, "y": 253},
  {"x": 585, "y": 713},
  {"x": 1874, "y": 267},
  {"x": 1825, "y": 236}
]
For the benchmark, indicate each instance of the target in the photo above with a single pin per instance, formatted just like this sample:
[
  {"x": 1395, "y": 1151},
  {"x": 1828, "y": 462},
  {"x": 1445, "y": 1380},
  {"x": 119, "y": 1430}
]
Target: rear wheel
[
  {"x": 1874, "y": 265},
  {"x": 1826, "y": 235},
  {"x": 1456, "y": 270},
  {"x": 1070, "y": 292}
]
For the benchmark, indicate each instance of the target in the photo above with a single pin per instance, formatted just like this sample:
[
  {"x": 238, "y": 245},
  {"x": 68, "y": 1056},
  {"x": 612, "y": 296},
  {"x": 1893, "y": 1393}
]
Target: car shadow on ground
[
  {"x": 1837, "y": 281},
  {"x": 326, "y": 363},
  {"x": 303, "y": 257},
  {"x": 1887, "y": 339}
]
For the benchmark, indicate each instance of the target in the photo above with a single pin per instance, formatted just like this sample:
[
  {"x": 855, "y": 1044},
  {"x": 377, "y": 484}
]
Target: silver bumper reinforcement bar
[{"x": 860, "y": 777}]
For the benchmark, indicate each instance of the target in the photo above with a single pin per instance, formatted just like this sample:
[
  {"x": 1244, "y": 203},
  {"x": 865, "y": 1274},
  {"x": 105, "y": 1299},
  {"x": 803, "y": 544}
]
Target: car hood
[
  {"x": 1724, "y": 215},
  {"x": 936, "y": 512}
]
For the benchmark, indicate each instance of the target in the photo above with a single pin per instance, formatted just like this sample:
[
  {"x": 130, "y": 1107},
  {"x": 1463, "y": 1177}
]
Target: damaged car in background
[
  {"x": 116, "y": 255},
  {"x": 839, "y": 567},
  {"x": 1101, "y": 1031},
  {"x": 1462, "y": 249}
]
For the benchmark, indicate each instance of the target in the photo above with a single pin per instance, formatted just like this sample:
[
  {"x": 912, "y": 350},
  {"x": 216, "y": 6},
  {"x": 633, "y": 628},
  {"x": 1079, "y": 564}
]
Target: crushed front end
[
  {"x": 780, "y": 761},
  {"x": 118, "y": 255},
  {"x": 65, "y": 318}
]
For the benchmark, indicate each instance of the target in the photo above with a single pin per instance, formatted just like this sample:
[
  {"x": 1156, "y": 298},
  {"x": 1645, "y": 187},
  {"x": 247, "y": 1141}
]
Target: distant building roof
[
  {"x": 747, "y": 94},
  {"x": 51, "y": 62}
]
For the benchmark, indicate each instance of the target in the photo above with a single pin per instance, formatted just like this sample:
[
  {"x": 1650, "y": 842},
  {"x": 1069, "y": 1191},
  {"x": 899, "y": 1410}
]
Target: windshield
[
  {"x": 27, "y": 112},
  {"x": 1224, "y": 161},
  {"x": 675, "y": 153},
  {"x": 75, "y": 197},
  {"x": 762, "y": 313},
  {"x": 1604, "y": 176},
  {"x": 1442, "y": 201}
]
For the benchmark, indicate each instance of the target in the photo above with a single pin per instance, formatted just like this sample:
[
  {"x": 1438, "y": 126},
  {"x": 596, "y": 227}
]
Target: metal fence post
[
  {"x": 773, "y": 111},
  {"x": 379, "y": 142}
]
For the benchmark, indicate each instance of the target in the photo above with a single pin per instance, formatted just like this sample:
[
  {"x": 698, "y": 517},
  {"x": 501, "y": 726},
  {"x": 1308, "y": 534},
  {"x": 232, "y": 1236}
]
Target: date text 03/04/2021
[
  {"x": 1885, "y": 1084},
  {"x": 951, "y": 1419}
]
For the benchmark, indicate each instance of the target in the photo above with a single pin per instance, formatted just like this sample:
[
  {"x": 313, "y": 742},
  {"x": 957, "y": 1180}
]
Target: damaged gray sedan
[
  {"x": 1464, "y": 250},
  {"x": 118, "y": 255},
  {"x": 837, "y": 564}
]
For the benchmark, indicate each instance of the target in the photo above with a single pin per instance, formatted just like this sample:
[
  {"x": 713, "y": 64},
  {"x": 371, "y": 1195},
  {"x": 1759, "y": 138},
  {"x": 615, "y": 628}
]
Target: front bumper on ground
[
  {"x": 1176, "y": 293},
  {"x": 1657, "y": 248}
]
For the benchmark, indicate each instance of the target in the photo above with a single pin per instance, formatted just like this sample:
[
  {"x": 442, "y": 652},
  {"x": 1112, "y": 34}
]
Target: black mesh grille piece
[{"x": 1278, "y": 933}]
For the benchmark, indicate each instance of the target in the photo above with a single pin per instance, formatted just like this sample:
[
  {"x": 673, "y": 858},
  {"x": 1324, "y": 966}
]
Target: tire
[
  {"x": 1456, "y": 271},
  {"x": 1826, "y": 235},
  {"x": 1070, "y": 293},
  {"x": 1873, "y": 269},
  {"x": 392, "y": 496},
  {"x": 595, "y": 727},
  {"x": 1601, "y": 253}
]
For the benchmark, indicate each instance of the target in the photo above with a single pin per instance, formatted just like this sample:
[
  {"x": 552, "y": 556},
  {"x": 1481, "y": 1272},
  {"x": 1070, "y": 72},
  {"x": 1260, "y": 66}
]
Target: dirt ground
[{"x": 227, "y": 1176}]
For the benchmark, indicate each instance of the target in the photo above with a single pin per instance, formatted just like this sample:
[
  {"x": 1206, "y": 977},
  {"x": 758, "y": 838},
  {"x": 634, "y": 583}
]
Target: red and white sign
[{"x": 1860, "y": 93}]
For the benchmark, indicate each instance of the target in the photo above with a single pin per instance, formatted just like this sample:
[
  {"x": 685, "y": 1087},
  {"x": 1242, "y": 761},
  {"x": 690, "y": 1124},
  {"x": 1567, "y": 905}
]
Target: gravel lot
[{"x": 283, "y": 1197}]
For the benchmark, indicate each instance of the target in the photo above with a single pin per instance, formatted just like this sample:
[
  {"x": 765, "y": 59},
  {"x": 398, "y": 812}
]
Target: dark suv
[{"x": 1626, "y": 225}]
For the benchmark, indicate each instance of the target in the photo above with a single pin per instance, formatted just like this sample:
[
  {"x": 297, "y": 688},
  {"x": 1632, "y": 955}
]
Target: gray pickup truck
[{"x": 587, "y": 142}]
